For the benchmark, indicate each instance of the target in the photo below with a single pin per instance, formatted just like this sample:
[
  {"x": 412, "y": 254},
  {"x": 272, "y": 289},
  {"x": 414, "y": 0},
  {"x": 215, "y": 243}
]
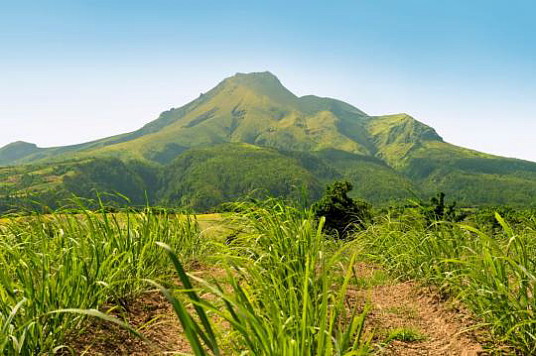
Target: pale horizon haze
[{"x": 76, "y": 71}]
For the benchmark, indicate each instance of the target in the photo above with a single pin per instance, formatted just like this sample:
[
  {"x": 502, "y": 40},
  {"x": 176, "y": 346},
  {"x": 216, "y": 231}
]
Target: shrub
[{"x": 343, "y": 214}]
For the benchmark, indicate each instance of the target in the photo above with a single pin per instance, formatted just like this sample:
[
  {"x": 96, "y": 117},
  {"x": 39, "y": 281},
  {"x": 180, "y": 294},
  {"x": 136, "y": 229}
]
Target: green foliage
[
  {"x": 286, "y": 286},
  {"x": 439, "y": 210},
  {"x": 486, "y": 218},
  {"x": 110, "y": 175},
  {"x": 387, "y": 158},
  {"x": 373, "y": 180},
  {"x": 63, "y": 261},
  {"x": 283, "y": 295},
  {"x": 343, "y": 214},
  {"x": 494, "y": 274},
  {"x": 472, "y": 178},
  {"x": 204, "y": 178},
  {"x": 405, "y": 335}
]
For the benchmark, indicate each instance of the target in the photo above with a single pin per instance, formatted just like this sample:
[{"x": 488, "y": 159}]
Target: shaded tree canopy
[{"x": 343, "y": 214}]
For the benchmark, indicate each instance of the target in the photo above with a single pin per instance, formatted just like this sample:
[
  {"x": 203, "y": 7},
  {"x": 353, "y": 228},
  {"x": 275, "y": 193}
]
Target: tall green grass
[
  {"x": 59, "y": 261},
  {"x": 285, "y": 294},
  {"x": 494, "y": 275}
]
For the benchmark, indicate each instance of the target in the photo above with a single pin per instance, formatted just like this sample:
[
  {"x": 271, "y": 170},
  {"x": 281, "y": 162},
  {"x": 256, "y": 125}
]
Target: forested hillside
[{"x": 250, "y": 133}]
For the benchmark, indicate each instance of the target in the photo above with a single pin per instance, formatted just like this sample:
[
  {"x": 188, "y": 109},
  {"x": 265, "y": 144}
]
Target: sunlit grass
[
  {"x": 494, "y": 275},
  {"x": 62, "y": 261},
  {"x": 285, "y": 293}
]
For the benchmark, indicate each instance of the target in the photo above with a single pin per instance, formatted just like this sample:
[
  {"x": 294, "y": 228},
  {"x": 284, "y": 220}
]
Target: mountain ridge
[
  {"x": 257, "y": 87},
  {"x": 388, "y": 153},
  {"x": 282, "y": 104}
]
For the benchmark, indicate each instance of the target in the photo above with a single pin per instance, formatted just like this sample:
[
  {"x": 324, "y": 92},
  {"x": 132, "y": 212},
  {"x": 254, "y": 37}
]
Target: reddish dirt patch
[
  {"x": 162, "y": 330},
  {"x": 405, "y": 305}
]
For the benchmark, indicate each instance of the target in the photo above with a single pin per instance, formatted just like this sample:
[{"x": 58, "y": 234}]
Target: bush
[
  {"x": 343, "y": 214},
  {"x": 439, "y": 210}
]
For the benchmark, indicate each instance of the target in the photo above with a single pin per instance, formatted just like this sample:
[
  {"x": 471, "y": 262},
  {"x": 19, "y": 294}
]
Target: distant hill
[
  {"x": 251, "y": 133},
  {"x": 16, "y": 151}
]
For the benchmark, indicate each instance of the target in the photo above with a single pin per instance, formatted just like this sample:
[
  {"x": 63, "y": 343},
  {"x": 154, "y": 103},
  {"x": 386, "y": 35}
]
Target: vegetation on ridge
[{"x": 385, "y": 157}]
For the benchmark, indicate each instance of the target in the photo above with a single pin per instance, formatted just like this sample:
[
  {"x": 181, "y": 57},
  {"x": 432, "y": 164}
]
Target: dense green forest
[{"x": 203, "y": 178}]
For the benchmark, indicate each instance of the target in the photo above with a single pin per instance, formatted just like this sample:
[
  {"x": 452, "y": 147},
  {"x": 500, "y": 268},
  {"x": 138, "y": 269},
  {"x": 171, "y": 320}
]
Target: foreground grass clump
[
  {"x": 405, "y": 335},
  {"x": 60, "y": 261},
  {"x": 285, "y": 295},
  {"x": 493, "y": 274}
]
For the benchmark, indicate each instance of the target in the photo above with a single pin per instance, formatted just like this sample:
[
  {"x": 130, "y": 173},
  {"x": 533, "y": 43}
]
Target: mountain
[
  {"x": 250, "y": 108},
  {"x": 16, "y": 151},
  {"x": 250, "y": 132}
]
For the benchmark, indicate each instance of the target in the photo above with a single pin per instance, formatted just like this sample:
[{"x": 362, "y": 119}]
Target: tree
[
  {"x": 438, "y": 210},
  {"x": 343, "y": 214}
]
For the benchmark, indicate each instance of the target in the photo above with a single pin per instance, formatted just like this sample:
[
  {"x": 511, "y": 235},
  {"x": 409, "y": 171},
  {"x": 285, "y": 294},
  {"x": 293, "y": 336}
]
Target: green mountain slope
[
  {"x": 251, "y": 132},
  {"x": 472, "y": 177},
  {"x": 17, "y": 151},
  {"x": 250, "y": 108},
  {"x": 204, "y": 177}
]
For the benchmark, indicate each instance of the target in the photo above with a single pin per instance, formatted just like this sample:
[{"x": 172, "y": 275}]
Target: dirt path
[{"x": 406, "y": 319}]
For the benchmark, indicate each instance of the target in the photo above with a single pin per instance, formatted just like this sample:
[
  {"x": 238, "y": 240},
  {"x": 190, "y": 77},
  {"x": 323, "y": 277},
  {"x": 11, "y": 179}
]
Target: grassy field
[
  {"x": 280, "y": 290},
  {"x": 493, "y": 273},
  {"x": 83, "y": 261},
  {"x": 282, "y": 287}
]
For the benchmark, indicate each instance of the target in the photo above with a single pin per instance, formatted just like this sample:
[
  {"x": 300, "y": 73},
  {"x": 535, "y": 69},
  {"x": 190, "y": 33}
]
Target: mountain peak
[
  {"x": 266, "y": 78},
  {"x": 19, "y": 144},
  {"x": 266, "y": 75},
  {"x": 16, "y": 150},
  {"x": 263, "y": 83}
]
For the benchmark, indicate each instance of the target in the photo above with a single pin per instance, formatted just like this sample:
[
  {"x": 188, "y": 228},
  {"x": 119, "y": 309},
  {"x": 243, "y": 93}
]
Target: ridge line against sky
[{"x": 74, "y": 71}]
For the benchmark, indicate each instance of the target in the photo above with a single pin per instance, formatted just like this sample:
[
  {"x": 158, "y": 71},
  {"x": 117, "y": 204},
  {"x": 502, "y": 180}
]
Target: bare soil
[
  {"x": 444, "y": 329},
  {"x": 153, "y": 314},
  {"x": 441, "y": 329}
]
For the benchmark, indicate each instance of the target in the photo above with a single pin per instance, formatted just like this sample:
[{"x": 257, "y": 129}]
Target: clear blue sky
[{"x": 77, "y": 70}]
